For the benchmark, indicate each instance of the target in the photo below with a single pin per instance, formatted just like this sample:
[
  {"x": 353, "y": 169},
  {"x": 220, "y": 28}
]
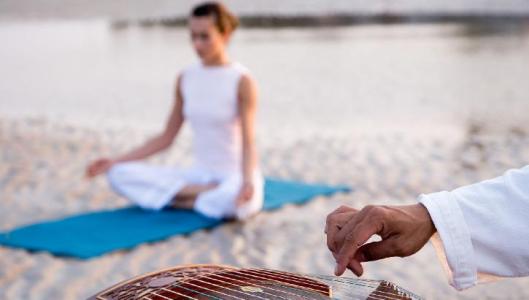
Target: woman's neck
[{"x": 218, "y": 60}]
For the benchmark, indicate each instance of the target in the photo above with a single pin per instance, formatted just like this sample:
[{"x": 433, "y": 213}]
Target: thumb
[{"x": 377, "y": 250}]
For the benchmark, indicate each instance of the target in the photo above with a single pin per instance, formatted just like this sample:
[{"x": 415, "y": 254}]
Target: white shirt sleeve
[{"x": 483, "y": 228}]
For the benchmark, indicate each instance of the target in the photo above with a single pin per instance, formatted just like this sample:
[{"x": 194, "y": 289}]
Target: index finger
[
  {"x": 333, "y": 225},
  {"x": 355, "y": 238}
]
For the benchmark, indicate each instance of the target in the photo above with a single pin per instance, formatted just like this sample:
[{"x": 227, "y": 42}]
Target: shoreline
[{"x": 340, "y": 20}]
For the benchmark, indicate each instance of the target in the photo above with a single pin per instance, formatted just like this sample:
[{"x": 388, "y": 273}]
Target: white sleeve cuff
[{"x": 455, "y": 252}]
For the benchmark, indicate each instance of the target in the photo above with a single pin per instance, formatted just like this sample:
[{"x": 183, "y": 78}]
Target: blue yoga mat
[{"x": 96, "y": 233}]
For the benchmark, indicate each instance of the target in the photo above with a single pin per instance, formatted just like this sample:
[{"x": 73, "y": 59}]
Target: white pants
[{"x": 153, "y": 187}]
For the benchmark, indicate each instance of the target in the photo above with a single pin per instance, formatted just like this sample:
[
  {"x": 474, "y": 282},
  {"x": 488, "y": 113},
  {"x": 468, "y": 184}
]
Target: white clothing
[
  {"x": 210, "y": 106},
  {"x": 483, "y": 228},
  {"x": 153, "y": 187}
]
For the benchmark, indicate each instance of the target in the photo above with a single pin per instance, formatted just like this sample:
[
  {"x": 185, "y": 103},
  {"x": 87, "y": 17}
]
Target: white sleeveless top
[{"x": 210, "y": 95}]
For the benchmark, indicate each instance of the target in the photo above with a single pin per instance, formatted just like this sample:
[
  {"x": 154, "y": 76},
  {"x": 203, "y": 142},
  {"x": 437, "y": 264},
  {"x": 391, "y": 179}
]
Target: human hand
[
  {"x": 245, "y": 194},
  {"x": 335, "y": 222},
  {"x": 99, "y": 166},
  {"x": 404, "y": 230}
]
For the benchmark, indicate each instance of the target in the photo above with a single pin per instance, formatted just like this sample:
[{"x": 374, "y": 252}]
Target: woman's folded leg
[
  {"x": 220, "y": 201},
  {"x": 149, "y": 187}
]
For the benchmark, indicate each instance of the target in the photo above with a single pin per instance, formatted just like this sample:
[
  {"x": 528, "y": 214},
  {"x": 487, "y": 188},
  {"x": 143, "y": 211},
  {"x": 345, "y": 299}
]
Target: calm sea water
[
  {"x": 341, "y": 80},
  {"x": 142, "y": 9}
]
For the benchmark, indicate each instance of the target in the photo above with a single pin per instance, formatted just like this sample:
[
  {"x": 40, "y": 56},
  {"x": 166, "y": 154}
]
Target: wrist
[{"x": 421, "y": 212}]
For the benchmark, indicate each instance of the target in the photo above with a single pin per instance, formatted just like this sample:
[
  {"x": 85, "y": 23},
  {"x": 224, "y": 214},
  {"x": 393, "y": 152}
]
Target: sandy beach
[
  {"x": 392, "y": 111},
  {"x": 41, "y": 178}
]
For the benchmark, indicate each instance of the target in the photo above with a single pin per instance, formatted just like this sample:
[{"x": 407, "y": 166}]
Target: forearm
[
  {"x": 249, "y": 161},
  {"x": 151, "y": 147},
  {"x": 163, "y": 140},
  {"x": 247, "y": 108}
]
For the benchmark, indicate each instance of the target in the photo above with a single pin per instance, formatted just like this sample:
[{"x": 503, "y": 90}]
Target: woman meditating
[{"x": 218, "y": 98}]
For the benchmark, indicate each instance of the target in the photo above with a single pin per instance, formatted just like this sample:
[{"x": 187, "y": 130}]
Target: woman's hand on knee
[
  {"x": 245, "y": 194},
  {"x": 99, "y": 166}
]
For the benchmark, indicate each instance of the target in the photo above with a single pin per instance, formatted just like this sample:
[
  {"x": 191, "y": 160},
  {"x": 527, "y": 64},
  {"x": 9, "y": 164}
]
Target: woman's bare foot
[{"x": 187, "y": 196}]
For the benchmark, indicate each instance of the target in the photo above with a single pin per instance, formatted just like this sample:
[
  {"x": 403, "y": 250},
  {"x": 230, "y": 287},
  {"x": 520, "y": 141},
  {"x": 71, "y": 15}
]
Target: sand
[{"x": 41, "y": 177}]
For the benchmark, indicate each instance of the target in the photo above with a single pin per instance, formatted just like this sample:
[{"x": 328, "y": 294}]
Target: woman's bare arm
[
  {"x": 152, "y": 146},
  {"x": 163, "y": 140},
  {"x": 248, "y": 97}
]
